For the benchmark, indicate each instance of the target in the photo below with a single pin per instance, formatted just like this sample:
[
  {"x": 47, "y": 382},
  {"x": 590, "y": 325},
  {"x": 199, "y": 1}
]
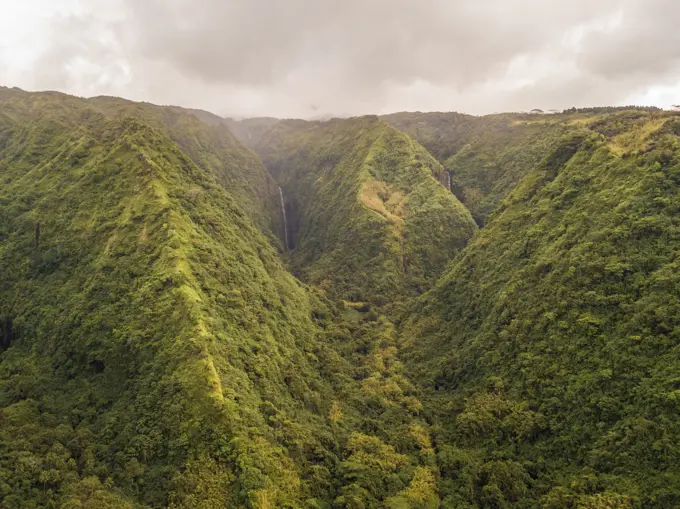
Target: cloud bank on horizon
[{"x": 308, "y": 58}]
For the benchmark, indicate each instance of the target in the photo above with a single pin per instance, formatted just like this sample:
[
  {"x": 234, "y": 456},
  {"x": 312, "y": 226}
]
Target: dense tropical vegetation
[
  {"x": 360, "y": 183},
  {"x": 163, "y": 345},
  {"x": 549, "y": 351}
]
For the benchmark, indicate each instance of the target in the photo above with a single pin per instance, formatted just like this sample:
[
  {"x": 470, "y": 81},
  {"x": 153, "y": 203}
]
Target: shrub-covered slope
[
  {"x": 200, "y": 135},
  {"x": 212, "y": 147},
  {"x": 146, "y": 319},
  {"x": 249, "y": 131},
  {"x": 550, "y": 349},
  {"x": 369, "y": 219},
  {"x": 485, "y": 156},
  {"x": 154, "y": 352},
  {"x": 443, "y": 134}
]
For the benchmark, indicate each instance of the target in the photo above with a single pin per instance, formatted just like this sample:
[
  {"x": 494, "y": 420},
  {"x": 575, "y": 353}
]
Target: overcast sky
[{"x": 345, "y": 57}]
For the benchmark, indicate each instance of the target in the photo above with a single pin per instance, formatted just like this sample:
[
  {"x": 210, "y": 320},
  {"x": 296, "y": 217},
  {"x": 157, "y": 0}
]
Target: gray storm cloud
[{"x": 304, "y": 57}]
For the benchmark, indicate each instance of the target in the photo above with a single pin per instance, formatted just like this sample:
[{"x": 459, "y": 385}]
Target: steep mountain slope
[
  {"x": 208, "y": 142},
  {"x": 154, "y": 352},
  {"x": 487, "y": 156},
  {"x": 134, "y": 310},
  {"x": 212, "y": 147},
  {"x": 251, "y": 130},
  {"x": 443, "y": 134},
  {"x": 550, "y": 349},
  {"x": 369, "y": 220}
]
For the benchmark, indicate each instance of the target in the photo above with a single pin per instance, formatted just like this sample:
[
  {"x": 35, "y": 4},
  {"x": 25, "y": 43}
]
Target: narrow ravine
[{"x": 285, "y": 220}]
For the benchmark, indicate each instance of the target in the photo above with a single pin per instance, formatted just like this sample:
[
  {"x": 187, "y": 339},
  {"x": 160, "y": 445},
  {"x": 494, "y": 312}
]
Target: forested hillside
[
  {"x": 487, "y": 156},
  {"x": 155, "y": 352},
  {"x": 369, "y": 219},
  {"x": 317, "y": 321},
  {"x": 208, "y": 142},
  {"x": 550, "y": 350},
  {"x": 484, "y": 156},
  {"x": 132, "y": 297}
]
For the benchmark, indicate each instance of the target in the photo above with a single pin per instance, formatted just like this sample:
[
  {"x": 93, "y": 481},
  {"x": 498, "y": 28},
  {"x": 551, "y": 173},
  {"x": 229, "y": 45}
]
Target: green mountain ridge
[
  {"x": 358, "y": 182},
  {"x": 156, "y": 352},
  {"x": 552, "y": 378},
  {"x": 203, "y": 136},
  {"x": 160, "y": 346},
  {"x": 130, "y": 305}
]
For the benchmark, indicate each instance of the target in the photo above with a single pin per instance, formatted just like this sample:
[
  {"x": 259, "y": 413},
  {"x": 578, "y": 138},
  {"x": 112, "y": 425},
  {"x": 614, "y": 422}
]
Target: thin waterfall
[
  {"x": 448, "y": 180},
  {"x": 285, "y": 221}
]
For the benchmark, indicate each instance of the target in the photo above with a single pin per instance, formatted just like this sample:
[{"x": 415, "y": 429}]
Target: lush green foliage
[
  {"x": 138, "y": 333},
  {"x": 443, "y": 134},
  {"x": 251, "y": 130},
  {"x": 209, "y": 143},
  {"x": 485, "y": 156},
  {"x": 551, "y": 347},
  {"x": 369, "y": 219},
  {"x": 155, "y": 350}
]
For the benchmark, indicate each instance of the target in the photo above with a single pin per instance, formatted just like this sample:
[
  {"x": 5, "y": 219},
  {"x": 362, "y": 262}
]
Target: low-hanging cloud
[{"x": 306, "y": 58}]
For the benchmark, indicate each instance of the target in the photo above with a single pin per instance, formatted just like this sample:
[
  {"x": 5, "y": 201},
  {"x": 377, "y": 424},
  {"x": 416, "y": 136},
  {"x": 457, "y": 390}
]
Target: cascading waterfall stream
[
  {"x": 285, "y": 220},
  {"x": 448, "y": 180}
]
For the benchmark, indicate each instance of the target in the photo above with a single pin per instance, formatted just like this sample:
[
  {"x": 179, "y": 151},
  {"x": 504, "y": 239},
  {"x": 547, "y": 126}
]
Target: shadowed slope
[
  {"x": 154, "y": 352},
  {"x": 150, "y": 320},
  {"x": 200, "y": 135},
  {"x": 550, "y": 346},
  {"x": 370, "y": 221}
]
